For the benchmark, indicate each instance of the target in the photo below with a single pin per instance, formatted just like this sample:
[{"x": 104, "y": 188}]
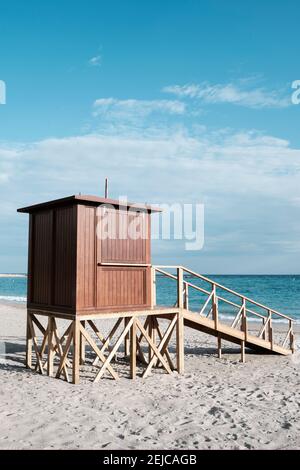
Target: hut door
[{"x": 123, "y": 254}]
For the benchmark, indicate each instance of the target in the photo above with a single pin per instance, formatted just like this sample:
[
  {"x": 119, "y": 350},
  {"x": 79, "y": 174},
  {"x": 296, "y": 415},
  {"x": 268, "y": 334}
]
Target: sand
[{"x": 217, "y": 404}]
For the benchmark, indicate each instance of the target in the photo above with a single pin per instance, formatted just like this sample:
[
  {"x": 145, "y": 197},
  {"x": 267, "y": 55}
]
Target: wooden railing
[{"x": 243, "y": 305}]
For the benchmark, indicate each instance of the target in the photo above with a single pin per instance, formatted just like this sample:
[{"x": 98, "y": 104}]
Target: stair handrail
[
  {"x": 217, "y": 284},
  {"x": 204, "y": 291},
  {"x": 183, "y": 300}
]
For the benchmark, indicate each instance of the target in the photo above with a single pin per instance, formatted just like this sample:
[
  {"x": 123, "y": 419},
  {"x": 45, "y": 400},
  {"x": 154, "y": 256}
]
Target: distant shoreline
[
  {"x": 13, "y": 275},
  {"x": 204, "y": 274}
]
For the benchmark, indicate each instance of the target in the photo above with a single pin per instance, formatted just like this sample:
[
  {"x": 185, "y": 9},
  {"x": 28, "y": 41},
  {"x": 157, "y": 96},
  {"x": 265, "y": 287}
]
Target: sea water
[
  {"x": 279, "y": 292},
  {"x": 13, "y": 288}
]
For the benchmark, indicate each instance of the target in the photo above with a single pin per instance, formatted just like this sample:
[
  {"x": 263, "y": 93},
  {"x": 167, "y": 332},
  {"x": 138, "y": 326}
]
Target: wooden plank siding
[
  {"x": 122, "y": 287},
  {"x": 64, "y": 278},
  {"x": 52, "y": 262},
  {"x": 86, "y": 257},
  {"x": 30, "y": 261},
  {"x": 41, "y": 251}
]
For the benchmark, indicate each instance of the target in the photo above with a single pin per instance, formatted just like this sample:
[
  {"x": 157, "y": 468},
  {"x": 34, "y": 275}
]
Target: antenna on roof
[{"x": 106, "y": 188}]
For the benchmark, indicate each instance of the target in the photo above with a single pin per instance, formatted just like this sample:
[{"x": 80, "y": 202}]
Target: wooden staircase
[{"x": 260, "y": 336}]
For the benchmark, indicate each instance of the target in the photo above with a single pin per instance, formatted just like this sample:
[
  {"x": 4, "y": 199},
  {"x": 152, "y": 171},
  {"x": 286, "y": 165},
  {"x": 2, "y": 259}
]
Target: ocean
[
  {"x": 13, "y": 288},
  {"x": 280, "y": 292}
]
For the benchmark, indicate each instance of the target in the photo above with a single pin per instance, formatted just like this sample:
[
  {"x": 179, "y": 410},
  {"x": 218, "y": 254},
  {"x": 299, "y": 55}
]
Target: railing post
[
  {"x": 186, "y": 296},
  {"x": 292, "y": 342},
  {"x": 153, "y": 286},
  {"x": 243, "y": 359},
  {"x": 270, "y": 329},
  {"x": 244, "y": 319},
  {"x": 215, "y": 306},
  {"x": 264, "y": 333},
  {"x": 219, "y": 346},
  {"x": 244, "y": 329},
  {"x": 180, "y": 287}
]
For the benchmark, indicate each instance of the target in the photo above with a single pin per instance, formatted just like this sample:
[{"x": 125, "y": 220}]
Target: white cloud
[
  {"x": 112, "y": 108},
  {"x": 182, "y": 166},
  {"x": 248, "y": 182},
  {"x": 230, "y": 93},
  {"x": 96, "y": 61}
]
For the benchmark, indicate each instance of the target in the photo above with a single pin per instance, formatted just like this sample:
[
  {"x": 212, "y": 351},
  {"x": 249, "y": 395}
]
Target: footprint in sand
[{"x": 286, "y": 425}]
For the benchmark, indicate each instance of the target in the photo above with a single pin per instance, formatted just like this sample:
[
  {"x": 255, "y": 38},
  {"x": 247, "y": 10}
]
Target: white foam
[
  {"x": 258, "y": 320},
  {"x": 6, "y": 276},
  {"x": 13, "y": 298}
]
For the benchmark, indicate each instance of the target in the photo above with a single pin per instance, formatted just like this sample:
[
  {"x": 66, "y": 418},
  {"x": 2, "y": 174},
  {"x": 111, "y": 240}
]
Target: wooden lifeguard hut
[{"x": 90, "y": 258}]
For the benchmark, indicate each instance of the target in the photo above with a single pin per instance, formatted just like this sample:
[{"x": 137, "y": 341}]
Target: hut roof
[{"x": 88, "y": 200}]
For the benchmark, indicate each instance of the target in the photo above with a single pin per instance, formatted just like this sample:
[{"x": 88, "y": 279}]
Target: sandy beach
[{"x": 217, "y": 404}]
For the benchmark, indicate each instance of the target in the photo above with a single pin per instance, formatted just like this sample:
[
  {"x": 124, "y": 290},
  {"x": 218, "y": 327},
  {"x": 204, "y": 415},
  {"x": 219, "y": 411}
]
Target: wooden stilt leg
[
  {"x": 43, "y": 348},
  {"x": 64, "y": 361},
  {"x": 127, "y": 340},
  {"x": 133, "y": 350},
  {"x": 50, "y": 347},
  {"x": 243, "y": 351},
  {"x": 76, "y": 351},
  {"x": 150, "y": 330},
  {"x": 28, "y": 344},
  {"x": 35, "y": 344},
  {"x": 82, "y": 346},
  {"x": 219, "y": 347},
  {"x": 153, "y": 336},
  {"x": 180, "y": 343},
  {"x": 140, "y": 353}
]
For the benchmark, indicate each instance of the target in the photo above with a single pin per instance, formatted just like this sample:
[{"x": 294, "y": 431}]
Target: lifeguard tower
[{"x": 90, "y": 258}]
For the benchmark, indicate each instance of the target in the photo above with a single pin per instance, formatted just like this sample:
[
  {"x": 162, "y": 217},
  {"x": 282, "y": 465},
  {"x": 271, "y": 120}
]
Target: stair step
[{"x": 231, "y": 334}]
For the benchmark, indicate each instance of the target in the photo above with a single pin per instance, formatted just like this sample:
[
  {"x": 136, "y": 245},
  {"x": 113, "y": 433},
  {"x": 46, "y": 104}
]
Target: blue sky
[{"x": 176, "y": 101}]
